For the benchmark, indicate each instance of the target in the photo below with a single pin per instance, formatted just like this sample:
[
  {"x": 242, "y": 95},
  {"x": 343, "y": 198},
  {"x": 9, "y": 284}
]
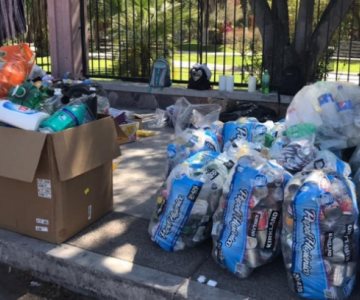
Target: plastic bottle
[
  {"x": 20, "y": 116},
  {"x": 67, "y": 117},
  {"x": 265, "y": 82},
  {"x": 345, "y": 110},
  {"x": 328, "y": 109},
  {"x": 252, "y": 83},
  {"x": 52, "y": 104},
  {"x": 27, "y": 95}
]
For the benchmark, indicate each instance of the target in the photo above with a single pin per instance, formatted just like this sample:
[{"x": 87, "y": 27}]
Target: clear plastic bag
[
  {"x": 186, "y": 115},
  {"x": 189, "y": 142},
  {"x": 333, "y": 108},
  {"x": 16, "y": 64},
  {"x": 355, "y": 160},
  {"x": 247, "y": 223},
  {"x": 160, "y": 119},
  {"x": 187, "y": 201},
  {"x": 320, "y": 236},
  {"x": 326, "y": 160},
  {"x": 296, "y": 155}
]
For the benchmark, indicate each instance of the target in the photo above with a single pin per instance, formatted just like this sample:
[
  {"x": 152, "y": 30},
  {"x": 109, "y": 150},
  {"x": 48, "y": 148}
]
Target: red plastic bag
[{"x": 16, "y": 63}]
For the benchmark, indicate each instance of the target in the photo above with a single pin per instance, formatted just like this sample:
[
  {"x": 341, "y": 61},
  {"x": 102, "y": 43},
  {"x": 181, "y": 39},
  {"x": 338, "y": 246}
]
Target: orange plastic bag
[{"x": 15, "y": 65}]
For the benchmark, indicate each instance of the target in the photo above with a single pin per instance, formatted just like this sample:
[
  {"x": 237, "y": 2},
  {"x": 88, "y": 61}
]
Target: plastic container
[
  {"x": 21, "y": 116},
  {"x": 27, "y": 95},
  {"x": 252, "y": 84},
  {"x": 328, "y": 107},
  {"x": 54, "y": 103},
  {"x": 345, "y": 110},
  {"x": 265, "y": 82},
  {"x": 222, "y": 83},
  {"x": 229, "y": 83},
  {"x": 67, "y": 117}
]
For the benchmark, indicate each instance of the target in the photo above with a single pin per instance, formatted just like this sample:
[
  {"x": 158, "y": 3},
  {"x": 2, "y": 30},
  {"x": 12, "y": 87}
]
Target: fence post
[{"x": 67, "y": 47}]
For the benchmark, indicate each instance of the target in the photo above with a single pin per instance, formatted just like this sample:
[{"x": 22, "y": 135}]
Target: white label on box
[
  {"x": 41, "y": 228},
  {"x": 42, "y": 221},
  {"x": 89, "y": 212},
  {"x": 44, "y": 188}
]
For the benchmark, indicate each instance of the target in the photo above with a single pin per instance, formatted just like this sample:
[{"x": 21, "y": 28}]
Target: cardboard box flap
[
  {"x": 20, "y": 152},
  {"x": 81, "y": 149}
]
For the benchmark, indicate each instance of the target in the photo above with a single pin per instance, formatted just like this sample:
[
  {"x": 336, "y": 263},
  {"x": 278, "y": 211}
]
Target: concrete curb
[
  {"x": 97, "y": 275},
  {"x": 141, "y": 88}
]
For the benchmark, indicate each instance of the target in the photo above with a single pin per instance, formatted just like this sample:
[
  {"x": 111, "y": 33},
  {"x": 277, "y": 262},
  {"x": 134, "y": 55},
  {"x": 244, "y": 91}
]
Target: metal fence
[
  {"x": 126, "y": 36},
  {"x": 37, "y": 32}
]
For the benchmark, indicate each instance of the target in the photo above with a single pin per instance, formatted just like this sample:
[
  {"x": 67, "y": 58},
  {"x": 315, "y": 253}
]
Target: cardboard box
[
  {"x": 52, "y": 186},
  {"x": 127, "y": 132}
]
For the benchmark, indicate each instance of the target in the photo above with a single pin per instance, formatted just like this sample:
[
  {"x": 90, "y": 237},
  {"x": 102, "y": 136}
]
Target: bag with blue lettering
[
  {"x": 249, "y": 129},
  {"x": 160, "y": 74},
  {"x": 320, "y": 236},
  {"x": 247, "y": 223},
  {"x": 190, "y": 142},
  {"x": 187, "y": 201}
]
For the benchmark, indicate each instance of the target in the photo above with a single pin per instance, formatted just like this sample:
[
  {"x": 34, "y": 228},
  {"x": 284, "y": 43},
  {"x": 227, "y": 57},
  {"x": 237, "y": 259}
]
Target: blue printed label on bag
[
  {"x": 212, "y": 144},
  {"x": 232, "y": 240},
  {"x": 248, "y": 131},
  {"x": 308, "y": 269},
  {"x": 18, "y": 108},
  {"x": 344, "y": 105},
  {"x": 200, "y": 159},
  {"x": 325, "y": 98},
  {"x": 183, "y": 194}
]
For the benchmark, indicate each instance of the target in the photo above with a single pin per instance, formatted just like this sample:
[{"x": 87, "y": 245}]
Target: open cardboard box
[{"x": 52, "y": 186}]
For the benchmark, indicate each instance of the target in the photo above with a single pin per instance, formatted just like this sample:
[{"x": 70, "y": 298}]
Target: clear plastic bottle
[
  {"x": 346, "y": 111},
  {"x": 54, "y": 103},
  {"x": 328, "y": 108}
]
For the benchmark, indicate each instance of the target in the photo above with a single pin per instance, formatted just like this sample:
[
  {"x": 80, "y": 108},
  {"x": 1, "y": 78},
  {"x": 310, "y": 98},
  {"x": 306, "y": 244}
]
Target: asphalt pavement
[{"x": 20, "y": 285}]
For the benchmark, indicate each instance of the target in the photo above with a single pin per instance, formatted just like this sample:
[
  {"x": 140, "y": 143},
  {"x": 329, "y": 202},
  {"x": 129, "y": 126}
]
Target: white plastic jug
[{"x": 21, "y": 116}]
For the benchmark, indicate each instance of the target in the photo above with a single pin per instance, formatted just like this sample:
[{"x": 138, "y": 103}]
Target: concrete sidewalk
[{"x": 115, "y": 258}]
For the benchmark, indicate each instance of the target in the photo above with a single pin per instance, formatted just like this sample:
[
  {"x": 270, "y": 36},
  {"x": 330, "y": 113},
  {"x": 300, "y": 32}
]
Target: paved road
[{"x": 15, "y": 284}]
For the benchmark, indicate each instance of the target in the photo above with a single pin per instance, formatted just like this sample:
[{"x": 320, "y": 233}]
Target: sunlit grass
[{"x": 109, "y": 67}]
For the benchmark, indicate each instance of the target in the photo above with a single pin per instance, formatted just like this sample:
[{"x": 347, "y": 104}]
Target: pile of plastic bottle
[
  {"x": 31, "y": 99},
  {"x": 264, "y": 189}
]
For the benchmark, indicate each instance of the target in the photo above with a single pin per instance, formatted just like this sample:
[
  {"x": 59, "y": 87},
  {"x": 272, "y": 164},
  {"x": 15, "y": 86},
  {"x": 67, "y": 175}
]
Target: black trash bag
[
  {"x": 260, "y": 112},
  {"x": 292, "y": 80}
]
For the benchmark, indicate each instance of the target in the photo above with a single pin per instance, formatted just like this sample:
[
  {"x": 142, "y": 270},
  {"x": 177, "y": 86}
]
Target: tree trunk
[
  {"x": 304, "y": 25},
  {"x": 319, "y": 41},
  {"x": 273, "y": 26},
  {"x": 308, "y": 46}
]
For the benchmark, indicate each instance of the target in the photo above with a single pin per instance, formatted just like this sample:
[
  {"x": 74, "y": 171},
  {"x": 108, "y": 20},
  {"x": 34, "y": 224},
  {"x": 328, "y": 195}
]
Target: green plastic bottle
[
  {"x": 67, "y": 117},
  {"x": 265, "y": 82},
  {"x": 27, "y": 95},
  {"x": 301, "y": 131}
]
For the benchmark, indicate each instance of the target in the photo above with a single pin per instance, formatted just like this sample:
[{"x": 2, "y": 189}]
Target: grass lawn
[
  {"x": 343, "y": 66},
  {"x": 218, "y": 58},
  {"x": 108, "y": 67}
]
